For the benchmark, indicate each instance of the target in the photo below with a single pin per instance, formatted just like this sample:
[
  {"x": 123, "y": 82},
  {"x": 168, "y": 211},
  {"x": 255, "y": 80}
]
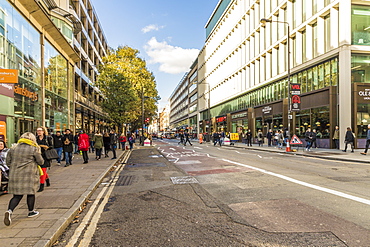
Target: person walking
[
  {"x": 181, "y": 135},
  {"x": 280, "y": 139},
  {"x": 367, "y": 140},
  {"x": 249, "y": 137},
  {"x": 68, "y": 146},
  {"x": 349, "y": 139},
  {"x": 45, "y": 142},
  {"x": 336, "y": 137},
  {"x": 113, "y": 143},
  {"x": 106, "y": 141},
  {"x": 58, "y": 145},
  {"x": 75, "y": 143},
  {"x": 216, "y": 138},
  {"x": 98, "y": 144},
  {"x": 260, "y": 138},
  {"x": 187, "y": 138},
  {"x": 83, "y": 145},
  {"x": 23, "y": 160},
  {"x": 131, "y": 141},
  {"x": 91, "y": 139},
  {"x": 269, "y": 137},
  {"x": 308, "y": 139},
  {"x": 314, "y": 138},
  {"x": 122, "y": 139}
]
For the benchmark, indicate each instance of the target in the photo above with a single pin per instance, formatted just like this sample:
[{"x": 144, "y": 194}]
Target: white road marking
[
  {"x": 312, "y": 186},
  {"x": 173, "y": 149},
  {"x": 198, "y": 147},
  {"x": 259, "y": 156},
  {"x": 238, "y": 152},
  {"x": 88, "y": 220}
]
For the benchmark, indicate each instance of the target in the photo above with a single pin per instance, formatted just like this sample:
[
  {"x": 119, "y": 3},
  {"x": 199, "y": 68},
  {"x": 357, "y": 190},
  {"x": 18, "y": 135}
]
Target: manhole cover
[{"x": 184, "y": 180}]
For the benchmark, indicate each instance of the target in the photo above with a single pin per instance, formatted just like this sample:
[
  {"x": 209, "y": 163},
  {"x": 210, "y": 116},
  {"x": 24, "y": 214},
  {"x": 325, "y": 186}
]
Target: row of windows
[{"x": 317, "y": 77}]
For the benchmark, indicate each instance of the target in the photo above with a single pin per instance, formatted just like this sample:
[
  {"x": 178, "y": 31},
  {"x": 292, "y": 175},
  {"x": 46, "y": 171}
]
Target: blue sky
[{"x": 168, "y": 33}]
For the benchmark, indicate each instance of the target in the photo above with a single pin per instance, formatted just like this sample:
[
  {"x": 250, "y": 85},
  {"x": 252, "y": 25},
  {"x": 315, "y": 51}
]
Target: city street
[{"x": 231, "y": 197}]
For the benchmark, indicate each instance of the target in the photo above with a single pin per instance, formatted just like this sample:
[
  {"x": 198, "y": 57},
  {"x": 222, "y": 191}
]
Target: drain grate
[
  {"x": 184, "y": 180},
  {"x": 125, "y": 180}
]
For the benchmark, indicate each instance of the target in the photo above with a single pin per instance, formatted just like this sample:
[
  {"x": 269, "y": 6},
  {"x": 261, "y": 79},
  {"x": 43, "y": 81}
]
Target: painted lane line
[
  {"x": 198, "y": 147},
  {"x": 173, "y": 149},
  {"x": 177, "y": 159},
  {"x": 312, "y": 186},
  {"x": 259, "y": 156}
]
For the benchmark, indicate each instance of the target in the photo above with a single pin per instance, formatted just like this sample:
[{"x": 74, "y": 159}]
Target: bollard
[{"x": 146, "y": 143}]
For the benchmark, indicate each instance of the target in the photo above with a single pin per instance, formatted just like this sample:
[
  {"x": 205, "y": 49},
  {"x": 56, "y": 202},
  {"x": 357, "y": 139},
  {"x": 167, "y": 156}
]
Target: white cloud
[
  {"x": 172, "y": 59},
  {"x": 152, "y": 27}
]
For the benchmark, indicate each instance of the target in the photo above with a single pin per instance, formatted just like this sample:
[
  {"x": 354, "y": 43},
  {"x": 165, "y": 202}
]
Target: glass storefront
[
  {"x": 56, "y": 89},
  {"x": 314, "y": 78},
  {"x": 315, "y": 118},
  {"x": 360, "y": 69},
  {"x": 363, "y": 119},
  {"x": 360, "y": 25}
]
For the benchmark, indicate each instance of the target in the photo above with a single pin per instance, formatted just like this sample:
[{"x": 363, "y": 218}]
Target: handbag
[{"x": 51, "y": 154}]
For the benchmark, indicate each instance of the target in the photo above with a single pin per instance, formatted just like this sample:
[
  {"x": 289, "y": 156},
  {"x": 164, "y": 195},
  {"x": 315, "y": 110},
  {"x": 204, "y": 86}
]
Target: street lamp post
[{"x": 263, "y": 20}]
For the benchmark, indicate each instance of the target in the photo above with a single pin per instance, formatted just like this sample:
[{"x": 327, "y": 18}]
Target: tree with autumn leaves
[{"x": 126, "y": 84}]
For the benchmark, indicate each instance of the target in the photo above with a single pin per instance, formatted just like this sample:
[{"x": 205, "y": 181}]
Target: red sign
[
  {"x": 295, "y": 140},
  {"x": 220, "y": 119}
]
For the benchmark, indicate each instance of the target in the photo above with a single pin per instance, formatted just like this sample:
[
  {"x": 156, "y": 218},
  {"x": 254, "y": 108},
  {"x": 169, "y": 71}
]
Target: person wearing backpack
[{"x": 68, "y": 146}]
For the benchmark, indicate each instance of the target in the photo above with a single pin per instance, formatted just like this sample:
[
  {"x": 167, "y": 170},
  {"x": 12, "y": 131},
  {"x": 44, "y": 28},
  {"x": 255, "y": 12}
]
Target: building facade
[
  {"x": 244, "y": 64},
  {"x": 184, "y": 102},
  {"x": 91, "y": 45},
  {"x": 39, "y": 39}
]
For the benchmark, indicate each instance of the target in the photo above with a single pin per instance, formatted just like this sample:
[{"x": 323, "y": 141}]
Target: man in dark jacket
[
  {"x": 113, "y": 143},
  {"x": 68, "y": 146},
  {"x": 269, "y": 136},
  {"x": 58, "y": 145},
  {"x": 349, "y": 139},
  {"x": 249, "y": 136}
]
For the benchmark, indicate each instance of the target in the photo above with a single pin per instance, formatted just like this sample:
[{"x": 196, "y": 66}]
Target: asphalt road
[
  {"x": 285, "y": 193},
  {"x": 244, "y": 198}
]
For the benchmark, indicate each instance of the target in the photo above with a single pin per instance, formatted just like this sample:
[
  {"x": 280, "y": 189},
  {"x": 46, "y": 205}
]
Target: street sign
[
  {"x": 295, "y": 92},
  {"x": 295, "y": 140}
]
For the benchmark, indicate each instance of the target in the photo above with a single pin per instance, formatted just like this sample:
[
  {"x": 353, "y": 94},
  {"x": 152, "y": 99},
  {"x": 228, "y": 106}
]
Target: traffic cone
[{"x": 287, "y": 147}]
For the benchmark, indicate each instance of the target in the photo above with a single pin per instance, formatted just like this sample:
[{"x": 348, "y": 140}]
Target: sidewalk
[
  {"x": 331, "y": 154},
  {"x": 58, "y": 204}
]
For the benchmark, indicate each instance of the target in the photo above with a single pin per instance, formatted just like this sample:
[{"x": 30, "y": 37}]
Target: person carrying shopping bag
[{"x": 23, "y": 160}]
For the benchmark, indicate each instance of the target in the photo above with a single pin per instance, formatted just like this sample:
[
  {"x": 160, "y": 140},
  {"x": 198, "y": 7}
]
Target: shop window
[
  {"x": 327, "y": 74},
  {"x": 315, "y": 79},
  {"x": 302, "y": 122},
  {"x": 304, "y": 82},
  {"x": 360, "y": 69},
  {"x": 334, "y": 72},
  {"x": 320, "y": 121},
  {"x": 321, "y": 76},
  {"x": 363, "y": 119},
  {"x": 360, "y": 25}
]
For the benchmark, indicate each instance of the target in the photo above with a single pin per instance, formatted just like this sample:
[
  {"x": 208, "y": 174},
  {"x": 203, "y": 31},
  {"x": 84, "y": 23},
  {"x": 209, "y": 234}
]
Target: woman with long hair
[
  {"x": 45, "y": 142},
  {"x": 23, "y": 160}
]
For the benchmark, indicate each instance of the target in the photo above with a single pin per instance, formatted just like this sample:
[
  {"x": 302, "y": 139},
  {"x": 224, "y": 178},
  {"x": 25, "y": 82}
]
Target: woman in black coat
[
  {"x": 349, "y": 139},
  {"x": 68, "y": 147},
  {"x": 45, "y": 142},
  {"x": 106, "y": 141}
]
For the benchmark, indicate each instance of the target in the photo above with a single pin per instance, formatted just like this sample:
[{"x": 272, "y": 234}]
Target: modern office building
[
  {"x": 244, "y": 64},
  {"x": 184, "y": 102},
  {"x": 53, "y": 48}
]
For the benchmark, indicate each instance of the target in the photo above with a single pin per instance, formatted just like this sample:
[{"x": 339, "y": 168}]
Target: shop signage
[
  {"x": 7, "y": 90},
  {"x": 295, "y": 92},
  {"x": 8, "y": 76},
  {"x": 26, "y": 93},
  {"x": 364, "y": 94},
  {"x": 2, "y": 130},
  {"x": 234, "y": 136},
  {"x": 221, "y": 119},
  {"x": 239, "y": 115},
  {"x": 267, "y": 110}
]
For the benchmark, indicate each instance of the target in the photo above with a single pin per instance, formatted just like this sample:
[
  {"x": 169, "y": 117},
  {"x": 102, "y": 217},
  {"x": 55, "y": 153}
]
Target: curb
[
  {"x": 302, "y": 154},
  {"x": 59, "y": 227}
]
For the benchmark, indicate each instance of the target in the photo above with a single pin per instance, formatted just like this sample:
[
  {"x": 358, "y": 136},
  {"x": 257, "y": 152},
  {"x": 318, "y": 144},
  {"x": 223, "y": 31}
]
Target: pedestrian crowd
[{"x": 24, "y": 166}]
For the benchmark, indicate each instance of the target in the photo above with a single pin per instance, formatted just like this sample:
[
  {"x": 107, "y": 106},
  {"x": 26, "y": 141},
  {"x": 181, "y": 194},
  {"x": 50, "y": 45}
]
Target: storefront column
[
  {"x": 344, "y": 102},
  {"x": 43, "y": 108},
  {"x": 251, "y": 120}
]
